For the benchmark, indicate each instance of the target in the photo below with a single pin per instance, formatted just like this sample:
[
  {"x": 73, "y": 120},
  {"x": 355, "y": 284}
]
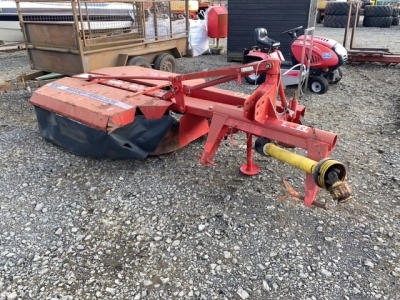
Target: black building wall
[{"x": 274, "y": 15}]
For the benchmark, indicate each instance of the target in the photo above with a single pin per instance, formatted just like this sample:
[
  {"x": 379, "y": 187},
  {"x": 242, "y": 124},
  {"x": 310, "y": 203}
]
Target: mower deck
[{"x": 114, "y": 119}]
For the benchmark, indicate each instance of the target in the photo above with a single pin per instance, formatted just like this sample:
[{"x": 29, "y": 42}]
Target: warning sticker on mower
[
  {"x": 326, "y": 55},
  {"x": 247, "y": 69},
  {"x": 299, "y": 127},
  {"x": 90, "y": 95}
]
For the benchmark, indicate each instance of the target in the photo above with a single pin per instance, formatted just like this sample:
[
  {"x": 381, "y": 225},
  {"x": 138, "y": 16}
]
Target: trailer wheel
[
  {"x": 165, "y": 62},
  {"x": 318, "y": 85},
  {"x": 139, "y": 61}
]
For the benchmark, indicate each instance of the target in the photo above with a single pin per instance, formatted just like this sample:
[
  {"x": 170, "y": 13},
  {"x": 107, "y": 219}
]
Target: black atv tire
[
  {"x": 318, "y": 85},
  {"x": 395, "y": 21},
  {"x": 340, "y": 8},
  {"x": 382, "y": 22},
  {"x": 378, "y": 11},
  {"x": 338, "y": 21},
  {"x": 252, "y": 79},
  {"x": 396, "y": 11}
]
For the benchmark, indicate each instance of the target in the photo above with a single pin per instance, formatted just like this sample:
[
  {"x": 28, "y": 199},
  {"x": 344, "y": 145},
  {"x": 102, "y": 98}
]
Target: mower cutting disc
[{"x": 170, "y": 143}]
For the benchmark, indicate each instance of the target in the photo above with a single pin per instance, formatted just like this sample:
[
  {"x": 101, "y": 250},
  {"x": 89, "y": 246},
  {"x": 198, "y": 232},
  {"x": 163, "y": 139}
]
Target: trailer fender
[
  {"x": 175, "y": 52},
  {"x": 122, "y": 60}
]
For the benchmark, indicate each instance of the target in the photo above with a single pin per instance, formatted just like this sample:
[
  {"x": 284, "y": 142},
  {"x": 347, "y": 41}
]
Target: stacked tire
[
  {"x": 378, "y": 16},
  {"x": 395, "y": 15},
  {"x": 336, "y": 14}
]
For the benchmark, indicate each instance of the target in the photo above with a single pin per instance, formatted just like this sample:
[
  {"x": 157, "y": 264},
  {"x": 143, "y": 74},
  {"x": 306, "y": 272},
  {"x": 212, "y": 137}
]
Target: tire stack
[
  {"x": 395, "y": 15},
  {"x": 378, "y": 16},
  {"x": 336, "y": 14}
]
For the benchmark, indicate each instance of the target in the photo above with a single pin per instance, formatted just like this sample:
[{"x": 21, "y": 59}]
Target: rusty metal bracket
[
  {"x": 10, "y": 47},
  {"x": 361, "y": 55}
]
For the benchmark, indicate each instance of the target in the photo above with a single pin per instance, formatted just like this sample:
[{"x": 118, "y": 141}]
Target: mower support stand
[{"x": 250, "y": 168}]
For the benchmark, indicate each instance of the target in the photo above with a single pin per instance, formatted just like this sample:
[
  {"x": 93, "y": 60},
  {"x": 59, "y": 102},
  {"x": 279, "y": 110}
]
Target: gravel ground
[{"x": 169, "y": 228}]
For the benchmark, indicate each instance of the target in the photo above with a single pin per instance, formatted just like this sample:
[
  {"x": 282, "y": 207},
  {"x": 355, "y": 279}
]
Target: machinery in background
[{"x": 327, "y": 55}]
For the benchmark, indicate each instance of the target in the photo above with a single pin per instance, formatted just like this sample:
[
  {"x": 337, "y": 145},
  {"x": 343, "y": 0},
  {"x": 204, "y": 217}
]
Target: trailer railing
[{"x": 78, "y": 28}]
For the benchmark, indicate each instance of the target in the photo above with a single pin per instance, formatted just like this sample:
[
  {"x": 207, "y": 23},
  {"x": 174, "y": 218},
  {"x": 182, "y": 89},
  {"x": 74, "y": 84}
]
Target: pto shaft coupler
[{"x": 328, "y": 174}]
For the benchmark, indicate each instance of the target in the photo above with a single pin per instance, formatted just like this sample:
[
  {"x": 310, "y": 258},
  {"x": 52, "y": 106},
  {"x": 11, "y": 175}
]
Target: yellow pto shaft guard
[{"x": 328, "y": 174}]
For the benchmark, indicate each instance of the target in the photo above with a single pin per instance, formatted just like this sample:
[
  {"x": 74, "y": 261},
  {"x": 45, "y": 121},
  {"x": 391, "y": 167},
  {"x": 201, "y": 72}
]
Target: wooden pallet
[{"x": 25, "y": 82}]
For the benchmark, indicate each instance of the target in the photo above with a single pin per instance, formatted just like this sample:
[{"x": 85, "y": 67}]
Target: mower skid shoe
[
  {"x": 188, "y": 129},
  {"x": 191, "y": 128}
]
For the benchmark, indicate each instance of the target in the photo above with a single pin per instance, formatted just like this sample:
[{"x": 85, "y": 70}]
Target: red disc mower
[
  {"x": 327, "y": 55},
  {"x": 128, "y": 112}
]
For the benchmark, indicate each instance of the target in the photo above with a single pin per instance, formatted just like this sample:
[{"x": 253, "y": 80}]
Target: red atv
[{"x": 327, "y": 56}]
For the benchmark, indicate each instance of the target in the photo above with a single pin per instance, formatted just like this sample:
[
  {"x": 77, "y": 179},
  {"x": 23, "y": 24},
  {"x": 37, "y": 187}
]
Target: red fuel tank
[{"x": 217, "y": 22}]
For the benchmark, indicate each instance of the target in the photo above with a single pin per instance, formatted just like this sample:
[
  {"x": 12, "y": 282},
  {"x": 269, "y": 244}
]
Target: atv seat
[{"x": 261, "y": 37}]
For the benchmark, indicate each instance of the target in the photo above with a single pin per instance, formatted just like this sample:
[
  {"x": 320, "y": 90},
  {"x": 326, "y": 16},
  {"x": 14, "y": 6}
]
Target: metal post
[
  {"x": 155, "y": 19},
  {"x": 347, "y": 25},
  {"x": 24, "y": 33},
  {"x": 142, "y": 15},
  {"x": 77, "y": 36},
  {"x": 187, "y": 25},
  {"x": 310, "y": 52},
  {"x": 88, "y": 19},
  {"x": 82, "y": 23},
  {"x": 299, "y": 87},
  {"x": 312, "y": 13},
  {"x": 170, "y": 21},
  {"x": 353, "y": 32}
]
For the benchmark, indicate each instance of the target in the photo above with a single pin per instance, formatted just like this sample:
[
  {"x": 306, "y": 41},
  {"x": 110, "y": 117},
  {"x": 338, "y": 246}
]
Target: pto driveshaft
[{"x": 328, "y": 174}]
